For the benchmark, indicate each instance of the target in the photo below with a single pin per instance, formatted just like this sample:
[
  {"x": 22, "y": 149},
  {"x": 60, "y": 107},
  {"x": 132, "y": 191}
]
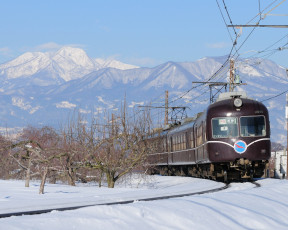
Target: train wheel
[
  {"x": 225, "y": 176},
  {"x": 152, "y": 171},
  {"x": 164, "y": 171}
]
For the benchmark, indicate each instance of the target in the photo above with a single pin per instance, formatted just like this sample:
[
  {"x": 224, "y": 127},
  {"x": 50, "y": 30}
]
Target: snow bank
[{"x": 242, "y": 206}]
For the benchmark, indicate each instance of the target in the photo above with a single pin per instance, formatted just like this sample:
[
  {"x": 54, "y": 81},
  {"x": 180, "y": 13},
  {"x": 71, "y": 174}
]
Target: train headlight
[{"x": 238, "y": 102}]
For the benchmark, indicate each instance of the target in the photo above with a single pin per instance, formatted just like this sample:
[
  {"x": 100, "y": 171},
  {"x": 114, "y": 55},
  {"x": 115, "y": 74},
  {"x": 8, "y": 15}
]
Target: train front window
[
  {"x": 252, "y": 126},
  {"x": 225, "y": 127}
]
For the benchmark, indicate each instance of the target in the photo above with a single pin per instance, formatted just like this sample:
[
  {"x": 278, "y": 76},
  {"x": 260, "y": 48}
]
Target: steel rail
[
  {"x": 257, "y": 185},
  {"x": 37, "y": 212}
]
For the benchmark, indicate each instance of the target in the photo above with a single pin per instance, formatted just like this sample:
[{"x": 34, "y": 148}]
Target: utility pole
[
  {"x": 177, "y": 112},
  {"x": 287, "y": 136},
  {"x": 113, "y": 120},
  {"x": 231, "y": 79},
  {"x": 166, "y": 107}
]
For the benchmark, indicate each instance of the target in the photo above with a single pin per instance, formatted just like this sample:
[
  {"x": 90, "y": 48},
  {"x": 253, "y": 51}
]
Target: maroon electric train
[{"x": 229, "y": 141}]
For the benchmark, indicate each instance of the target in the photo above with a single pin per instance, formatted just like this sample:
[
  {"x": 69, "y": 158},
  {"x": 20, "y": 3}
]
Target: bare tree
[
  {"x": 6, "y": 164},
  {"x": 77, "y": 142},
  {"x": 22, "y": 153},
  {"x": 47, "y": 153},
  {"x": 123, "y": 147},
  {"x": 39, "y": 147},
  {"x": 111, "y": 146}
]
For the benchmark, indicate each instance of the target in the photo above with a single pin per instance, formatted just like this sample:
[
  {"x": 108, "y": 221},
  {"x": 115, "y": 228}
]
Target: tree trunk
[
  {"x": 110, "y": 179},
  {"x": 100, "y": 180},
  {"x": 53, "y": 178},
  {"x": 44, "y": 176},
  {"x": 71, "y": 179},
  {"x": 111, "y": 183},
  {"x": 28, "y": 173}
]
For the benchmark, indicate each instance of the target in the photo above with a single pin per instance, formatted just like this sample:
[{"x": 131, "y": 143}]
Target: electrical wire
[
  {"x": 230, "y": 53},
  {"x": 275, "y": 96},
  {"x": 224, "y": 21},
  {"x": 229, "y": 18}
]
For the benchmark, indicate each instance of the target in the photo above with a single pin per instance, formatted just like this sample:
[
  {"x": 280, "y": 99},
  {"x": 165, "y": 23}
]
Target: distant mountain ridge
[
  {"x": 66, "y": 64},
  {"x": 43, "y": 88}
]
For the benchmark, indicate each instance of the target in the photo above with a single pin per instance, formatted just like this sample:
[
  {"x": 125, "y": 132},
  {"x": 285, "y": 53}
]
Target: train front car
[{"x": 238, "y": 136}]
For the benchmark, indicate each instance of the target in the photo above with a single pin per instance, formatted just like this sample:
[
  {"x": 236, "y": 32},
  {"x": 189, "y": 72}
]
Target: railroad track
[
  {"x": 42, "y": 211},
  {"x": 257, "y": 185}
]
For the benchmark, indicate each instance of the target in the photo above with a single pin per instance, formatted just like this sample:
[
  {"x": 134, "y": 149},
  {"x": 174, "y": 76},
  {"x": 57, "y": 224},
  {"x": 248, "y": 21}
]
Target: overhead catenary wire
[
  {"x": 259, "y": 5},
  {"x": 229, "y": 18},
  {"x": 270, "y": 46},
  {"x": 224, "y": 21},
  {"x": 231, "y": 54},
  {"x": 222, "y": 66},
  {"x": 227, "y": 60},
  {"x": 260, "y": 12},
  {"x": 278, "y": 95}
]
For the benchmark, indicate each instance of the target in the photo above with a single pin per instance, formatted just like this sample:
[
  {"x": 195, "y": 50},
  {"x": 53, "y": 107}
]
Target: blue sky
[{"x": 139, "y": 32}]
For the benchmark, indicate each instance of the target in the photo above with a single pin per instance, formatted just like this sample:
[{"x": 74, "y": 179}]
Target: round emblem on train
[{"x": 240, "y": 147}]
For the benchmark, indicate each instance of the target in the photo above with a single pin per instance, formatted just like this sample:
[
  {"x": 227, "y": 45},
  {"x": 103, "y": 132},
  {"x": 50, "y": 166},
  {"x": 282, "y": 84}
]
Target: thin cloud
[
  {"x": 6, "y": 54},
  {"x": 5, "y": 51},
  {"x": 144, "y": 62},
  {"x": 50, "y": 47},
  {"x": 217, "y": 45}
]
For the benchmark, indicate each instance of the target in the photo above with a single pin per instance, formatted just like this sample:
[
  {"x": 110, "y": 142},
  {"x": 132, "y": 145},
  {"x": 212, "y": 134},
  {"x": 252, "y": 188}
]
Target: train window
[
  {"x": 191, "y": 140},
  {"x": 204, "y": 130},
  {"x": 252, "y": 126},
  {"x": 223, "y": 127},
  {"x": 199, "y": 137},
  {"x": 184, "y": 141},
  {"x": 174, "y": 143},
  {"x": 169, "y": 144}
]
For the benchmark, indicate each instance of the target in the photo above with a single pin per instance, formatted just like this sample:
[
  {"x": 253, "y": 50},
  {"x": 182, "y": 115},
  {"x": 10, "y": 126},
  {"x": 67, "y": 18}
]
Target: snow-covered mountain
[
  {"x": 44, "y": 88},
  {"x": 66, "y": 64}
]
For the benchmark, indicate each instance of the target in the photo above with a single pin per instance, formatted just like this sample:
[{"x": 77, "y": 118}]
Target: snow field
[{"x": 242, "y": 206}]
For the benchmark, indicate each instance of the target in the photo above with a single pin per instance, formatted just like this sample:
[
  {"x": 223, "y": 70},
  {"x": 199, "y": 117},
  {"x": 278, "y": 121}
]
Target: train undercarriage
[{"x": 238, "y": 170}]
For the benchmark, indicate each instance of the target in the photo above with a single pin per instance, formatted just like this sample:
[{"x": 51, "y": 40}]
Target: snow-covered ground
[{"x": 242, "y": 206}]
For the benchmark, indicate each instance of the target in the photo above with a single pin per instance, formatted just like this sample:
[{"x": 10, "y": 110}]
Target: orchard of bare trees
[{"x": 102, "y": 150}]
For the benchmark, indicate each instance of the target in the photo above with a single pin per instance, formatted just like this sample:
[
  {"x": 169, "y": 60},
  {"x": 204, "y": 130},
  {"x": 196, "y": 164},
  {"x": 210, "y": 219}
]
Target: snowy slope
[
  {"x": 67, "y": 63},
  {"x": 42, "y": 88},
  {"x": 106, "y": 63}
]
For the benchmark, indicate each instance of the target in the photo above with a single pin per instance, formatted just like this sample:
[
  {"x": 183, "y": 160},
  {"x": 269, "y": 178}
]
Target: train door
[
  {"x": 205, "y": 140},
  {"x": 186, "y": 140},
  {"x": 165, "y": 150},
  {"x": 196, "y": 142},
  {"x": 170, "y": 150},
  {"x": 192, "y": 146},
  {"x": 199, "y": 141}
]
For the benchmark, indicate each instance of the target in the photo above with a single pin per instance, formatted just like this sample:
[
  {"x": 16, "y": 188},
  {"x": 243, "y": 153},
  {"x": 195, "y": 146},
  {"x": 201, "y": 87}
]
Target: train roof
[
  {"x": 181, "y": 127},
  {"x": 225, "y": 104},
  {"x": 229, "y": 95}
]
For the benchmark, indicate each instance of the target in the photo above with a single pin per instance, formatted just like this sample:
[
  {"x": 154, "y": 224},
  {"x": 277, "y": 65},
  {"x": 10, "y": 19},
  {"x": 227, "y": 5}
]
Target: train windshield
[
  {"x": 252, "y": 126},
  {"x": 224, "y": 127}
]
